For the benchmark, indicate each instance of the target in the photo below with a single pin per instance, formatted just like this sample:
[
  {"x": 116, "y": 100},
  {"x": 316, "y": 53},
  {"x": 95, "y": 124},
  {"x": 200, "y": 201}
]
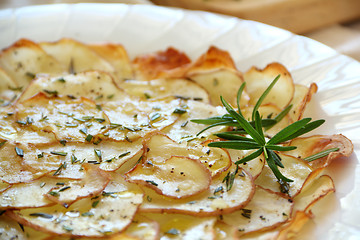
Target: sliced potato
[
  {"x": 294, "y": 169},
  {"x": 95, "y": 85},
  {"x": 257, "y": 80},
  {"x": 185, "y": 130},
  {"x": 68, "y": 119},
  {"x": 161, "y": 88},
  {"x": 66, "y": 161},
  {"x": 159, "y": 148},
  {"x": 302, "y": 96},
  {"x": 266, "y": 210},
  {"x": 46, "y": 190},
  {"x": 25, "y": 59},
  {"x": 116, "y": 55},
  {"x": 308, "y": 146},
  {"x": 91, "y": 217},
  {"x": 75, "y": 56},
  {"x": 225, "y": 231},
  {"x": 215, "y": 201},
  {"x": 176, "y": 177},
  {"x": 178, "y": 226},
  {"x": 254, "y": 167},
  {"x": 162, "y": 64},
  {"x": 12, "y": 169}
]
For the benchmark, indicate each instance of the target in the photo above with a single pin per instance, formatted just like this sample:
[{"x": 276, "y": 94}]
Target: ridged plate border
[{"x": 146, "y": 28}]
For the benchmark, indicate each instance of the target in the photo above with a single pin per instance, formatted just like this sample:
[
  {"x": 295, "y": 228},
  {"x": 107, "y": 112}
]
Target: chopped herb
[
  {"x": 184, "y": 124},
  {"x": 63, "y": 142},
  {"x": 73, "y": 159},
  {"x": 218, "y": 189},
  {"x": 19, "y": 152},
  {"x": 95, "y": 203},
  {"x": 83, "y": 131},
  {"x": 179, "y": 111},
  {"x": 58, "y": 171},
  {"x": 87, "y": 214},
  {"x": 42, "y": 184},
  {"x": 43, "y": 215},
  {"x": 154, "y": 116},
  {"x": 2, "y": 143},
  {"x": 191, "y": 202},
  {"x": 98, "y": 154},
  {"x": 64, "y": 188},
  {"x": 54, "y": 194},
  {"x": 124, "y": 154},
  {"x": 149, "y": 199},
  {"x": 173, "y": 231},
  {"x": 147, "y": 96},
  {"x": 30, "y": 75},
  {"x": 50, "y": 92},
  {"x": 152, "y": 182},
  {"x": 246, "y": 213},
  {"x": 197, "y": 99},
  {"x": 59, "y": 153},
  {"x": 89, "y": 137},
  {"x": 60, "y": 183},
  {"x": 110, "y": 96},
  {"x": 62, "y": 80},
  {"x": 100, "y": 120},
  {"x": 67, "y": 228}
]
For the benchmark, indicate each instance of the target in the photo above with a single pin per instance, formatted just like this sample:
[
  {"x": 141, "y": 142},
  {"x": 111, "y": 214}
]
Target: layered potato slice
[
  {"x": 159, "y": 147},
  {"x": 161, "y": 88},
  {"x": 257, "y": 80},
  {"x": 217, "y": 200},
  {"x": 253, "y": 167},
  {"x": 216, "y": 72},
  {"x": 266, "y": 210},
  {"x": 302, "y": 96},
  {"x": 95, "y": 85},
  {"x": 25, "y": 59},
  {"x": 308, "y": 146},
  {"x": 117, "y": 56},
  {"x": 176, "y": 177},
  {"x": 66, "y": 161},
  {"x": 46, "y": 191},
  {"x": 75, "y": 56},
  {"x": 170, "y": 63},
  {"x": 105, "y": 214},
  {"x": 179, "y": 226}
]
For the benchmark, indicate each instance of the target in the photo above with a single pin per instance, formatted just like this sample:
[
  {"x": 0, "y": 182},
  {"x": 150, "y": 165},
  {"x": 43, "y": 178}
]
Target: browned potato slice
[
  {"x": 93, "y": 217},
  {"x": 163, "y": 64},
  {"x": 312, "y": 192},
  {"x": 266, "y": 210},
  {"x": 185, "y": 130},
  {"x": 258, "y": 80},
  {"x": 75, "y": 56},
  {"x": 294, "y": 168},
  {"x": 117, "y": 56},
  {"x": 160, "y": 88},
  {"x": 216, "y": 72},
  {"x": 68, "y": 119},
  {"x": 25, "y": 59},
  {"x": 308, "y": 146},
  {"x": 47, "y": 190},
  {"x": 176, "y": 177},
  {"x": 302, "y": 97},
  {"x": 66, "y": 161},
  {"x": 160, "y": 148},
  {"x": 95, "y": 85},
  {"x": 4, "y": 186},
  {"x": 184, "y": 227},
  {"x": 12, "y": 169},
  {"x": 215, "y": 201}
]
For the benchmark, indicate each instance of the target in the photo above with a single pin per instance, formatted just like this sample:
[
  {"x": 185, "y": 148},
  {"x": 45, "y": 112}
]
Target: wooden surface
[{"x": 298, "y": 16}]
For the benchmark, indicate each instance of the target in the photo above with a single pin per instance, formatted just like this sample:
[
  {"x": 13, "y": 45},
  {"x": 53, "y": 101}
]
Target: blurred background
[{"x": 335, "y": 23}]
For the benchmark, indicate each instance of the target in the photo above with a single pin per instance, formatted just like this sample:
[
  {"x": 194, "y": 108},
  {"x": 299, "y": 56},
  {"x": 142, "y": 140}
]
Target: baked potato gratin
[{"x": 95, "y": 145}]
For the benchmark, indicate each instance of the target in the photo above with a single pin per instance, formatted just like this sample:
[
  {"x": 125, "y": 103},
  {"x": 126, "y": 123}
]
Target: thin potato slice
[
  {"x": 25, "y": 59},
  {"x": 160, "y": 148},
  {"x": 162, "y": 64},
  {"x": 12, "y": 169},
  {"x": 266, "y": 210},
  {"x": 92, "y": 217},
  {"x": 69, "y": 119},
  {"x": 215, "y": 201},
  {"x": 216, "y": 72},
  {"x": 178, "y": 226},
  {"x": 75, "y": 56},
  {"x": 225, "y": 231},
  {"x": 185, "y": 130},
  {"x": 91, "y": 185},
  {"x": 308, "y": 146},
  {"x": 161, "y": 88},
  {"x": 116, "y": 55},
  {"x": 176, "y": 177},
  {"x": 66, "y": 161},
  {"x": 95, "y": 85},
  {"x": 253, "y": 167},
  {"x": 8, "y": 89},
  {"x": 295, "y": 169},
  {"x": 313, "y": 191},
  {"x": 63, "y": 191},
  {"x": 302, "y": 96},
  {"x": 258, "y": 80}
]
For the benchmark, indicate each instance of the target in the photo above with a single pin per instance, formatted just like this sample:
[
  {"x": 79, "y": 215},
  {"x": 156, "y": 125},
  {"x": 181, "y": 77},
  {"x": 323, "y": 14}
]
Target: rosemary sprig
[{"x": 249, "y": 135}]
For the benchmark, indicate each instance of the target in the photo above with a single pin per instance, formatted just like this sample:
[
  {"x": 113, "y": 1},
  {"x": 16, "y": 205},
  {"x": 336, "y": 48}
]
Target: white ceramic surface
[{"x": 144, "y": 28}]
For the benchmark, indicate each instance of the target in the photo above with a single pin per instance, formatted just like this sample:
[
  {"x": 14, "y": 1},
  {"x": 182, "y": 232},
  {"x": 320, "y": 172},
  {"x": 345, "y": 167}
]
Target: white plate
[{"x": 144, "y": 28}]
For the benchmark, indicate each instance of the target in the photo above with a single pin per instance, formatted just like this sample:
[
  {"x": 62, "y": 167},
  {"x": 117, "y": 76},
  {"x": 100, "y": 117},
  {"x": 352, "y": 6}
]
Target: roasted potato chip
[{"x": 302, "y": 97}]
